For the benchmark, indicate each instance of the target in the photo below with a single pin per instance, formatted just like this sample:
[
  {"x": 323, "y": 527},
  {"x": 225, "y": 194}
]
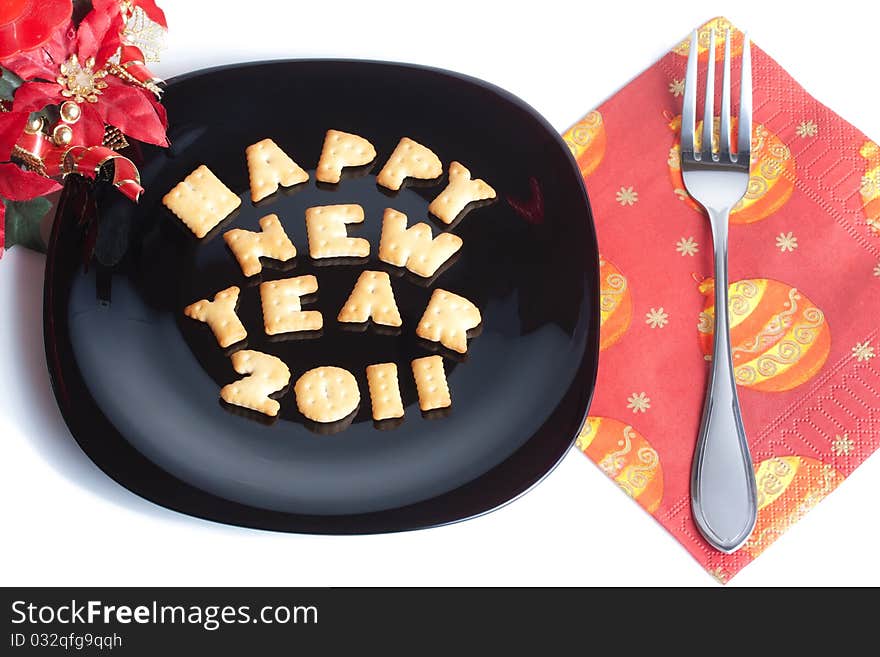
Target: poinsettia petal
[
  {"x": 129, "y": 109},
  {"x": 16, "y": 184},
  {"x": 152, "y": 11},
  {"x": 42, "y": 63},
  {"x": 98, "y": 32},
  {"x": 160, "y": 111},
  {"x": 34, "y": 96},
  {"x": 90, "y": 127},
  {"x": 11, "y": 127}
]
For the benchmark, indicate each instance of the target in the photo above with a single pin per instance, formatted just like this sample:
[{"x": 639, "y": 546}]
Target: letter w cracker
[{"x": 414, "y": 248}]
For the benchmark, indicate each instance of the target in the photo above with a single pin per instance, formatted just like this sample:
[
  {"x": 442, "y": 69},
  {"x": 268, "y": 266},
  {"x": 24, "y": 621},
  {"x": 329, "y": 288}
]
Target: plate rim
[{"x": 328, "y": 524}]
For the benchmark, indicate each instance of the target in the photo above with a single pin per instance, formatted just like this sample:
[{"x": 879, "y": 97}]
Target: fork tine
[
  {"x": 724, "y": 138},
  {"x": 689, "y": 105},
  {"x": 709, "y": 109},
  {"x": 744, "y": 141}
]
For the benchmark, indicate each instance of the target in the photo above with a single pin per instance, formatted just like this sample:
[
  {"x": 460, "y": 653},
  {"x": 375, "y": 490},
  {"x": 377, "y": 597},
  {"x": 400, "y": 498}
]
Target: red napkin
[{"x": 804, "y": 298}]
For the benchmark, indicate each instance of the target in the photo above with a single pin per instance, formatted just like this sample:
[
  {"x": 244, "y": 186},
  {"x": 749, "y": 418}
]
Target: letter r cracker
[
  {"x": 447, "y": 319},
  {"x": 201, "y": 201}
]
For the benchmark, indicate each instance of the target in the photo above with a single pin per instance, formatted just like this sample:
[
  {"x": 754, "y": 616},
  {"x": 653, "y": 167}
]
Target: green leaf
[
  {"x": 9, "y": 82},
  {"x": 23, "y": 219}
]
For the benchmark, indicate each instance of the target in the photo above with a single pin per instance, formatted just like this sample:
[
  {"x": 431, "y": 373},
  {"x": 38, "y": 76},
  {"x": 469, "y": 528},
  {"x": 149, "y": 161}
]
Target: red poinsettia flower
[
  {"x": 27, "y": 24},
  {"x": 70, "y": 66}
]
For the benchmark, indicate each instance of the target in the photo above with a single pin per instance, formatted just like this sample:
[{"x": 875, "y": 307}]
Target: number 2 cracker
[{"x": 267, "y": 374}]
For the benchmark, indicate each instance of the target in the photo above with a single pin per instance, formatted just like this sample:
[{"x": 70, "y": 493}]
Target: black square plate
[{"x": 138, "y": 383}]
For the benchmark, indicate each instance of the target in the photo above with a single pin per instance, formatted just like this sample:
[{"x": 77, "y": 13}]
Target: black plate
[{"x": 137, "y": 382}]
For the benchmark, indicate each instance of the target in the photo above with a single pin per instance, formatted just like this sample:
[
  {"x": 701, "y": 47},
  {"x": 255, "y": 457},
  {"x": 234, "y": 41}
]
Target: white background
[{"x": 64, "y": 522}]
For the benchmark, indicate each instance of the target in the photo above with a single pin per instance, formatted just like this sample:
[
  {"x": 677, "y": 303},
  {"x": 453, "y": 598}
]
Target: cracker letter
[
  {"x": 327, "y": 394},
  {"x": 325, "y": 227},
  {"x": 409, "y": 160},
  {"x": 282, "y": 307},
  {"x": 460, "y": 191},
  {"x": 371, "y": 298},
  {"x": 413, "y": 247},
  {"x": 271, "y": 242},
  {"x": 447, "y": 319},
  {"x": 431, "y": 383},
  {"x": 384, "y": 391},
  {"x": 220, "y": 315},
  {"x": 268, "y": 167},
  {"x": 342, "y": 149},
  {"x": 266, "y": 374},
  {"x": 201, "y": 201}
]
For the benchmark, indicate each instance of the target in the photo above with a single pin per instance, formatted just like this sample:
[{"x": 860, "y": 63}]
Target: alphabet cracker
[
  {"x": 219, "y": 314},
  {"x": 271, "y": 242},
  {"x": 325, "y": 227},
  {"x": 342, "y": 149},
  {"x": 384, "y": 391},
  {"x": 268, "y": 167},
  {"x": 447, "y": 319},
  {"x": 201, "y": 201},
  {"x": 327, "y": 394},
  {"x": 282, "y": 306},
  {"x": 431, "y": 383},
  {"x": 413, "y": 247},
  {"x": 409, "y": 160},
  {"x": 460, "y": 191},
  {"x": 371, "y": 298},
  {"x": 266, "y": 374}
]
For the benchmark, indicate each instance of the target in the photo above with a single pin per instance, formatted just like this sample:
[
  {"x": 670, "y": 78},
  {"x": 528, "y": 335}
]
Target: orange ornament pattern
[
  {"x": 771, "y": 183},
  {"x": 586, "y": 139},
  {"x": 779, "y": 338},
  {"x": 788, "y": 487},
  {"x": 615, "y": 304},
  {"x": 870, "y": 187},
  {"x": 625, "y": 456},
  {"x": 720, "y": 25}
]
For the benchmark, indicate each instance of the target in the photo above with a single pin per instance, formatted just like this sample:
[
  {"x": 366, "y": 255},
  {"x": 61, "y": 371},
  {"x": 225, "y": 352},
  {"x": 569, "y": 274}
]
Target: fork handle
[{"x": 723, "y": 491}]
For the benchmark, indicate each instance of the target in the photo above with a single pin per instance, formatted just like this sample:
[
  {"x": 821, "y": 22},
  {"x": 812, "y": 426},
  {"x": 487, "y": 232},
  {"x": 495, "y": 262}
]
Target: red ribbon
[{"x": 84, "y": 160}]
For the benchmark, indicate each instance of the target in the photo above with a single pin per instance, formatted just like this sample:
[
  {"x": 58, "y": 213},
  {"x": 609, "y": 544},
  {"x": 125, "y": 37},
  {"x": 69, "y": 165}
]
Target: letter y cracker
[
  {"x": 268, "y": 167},
  {"x": 201, "y": 201},
  {"x": 460, "y": 191},
  {"x": 220, "y": 315},
  {"x": 409, "y": 160},
  {"x": 447, "y": 319},
  {"x": 342, "y": 149},
  {"x": 266, "y": 374}
]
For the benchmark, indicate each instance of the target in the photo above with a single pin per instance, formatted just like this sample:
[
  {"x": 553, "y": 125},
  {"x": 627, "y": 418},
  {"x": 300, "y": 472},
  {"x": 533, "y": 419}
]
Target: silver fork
[{"x": 723, "y": 494}]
